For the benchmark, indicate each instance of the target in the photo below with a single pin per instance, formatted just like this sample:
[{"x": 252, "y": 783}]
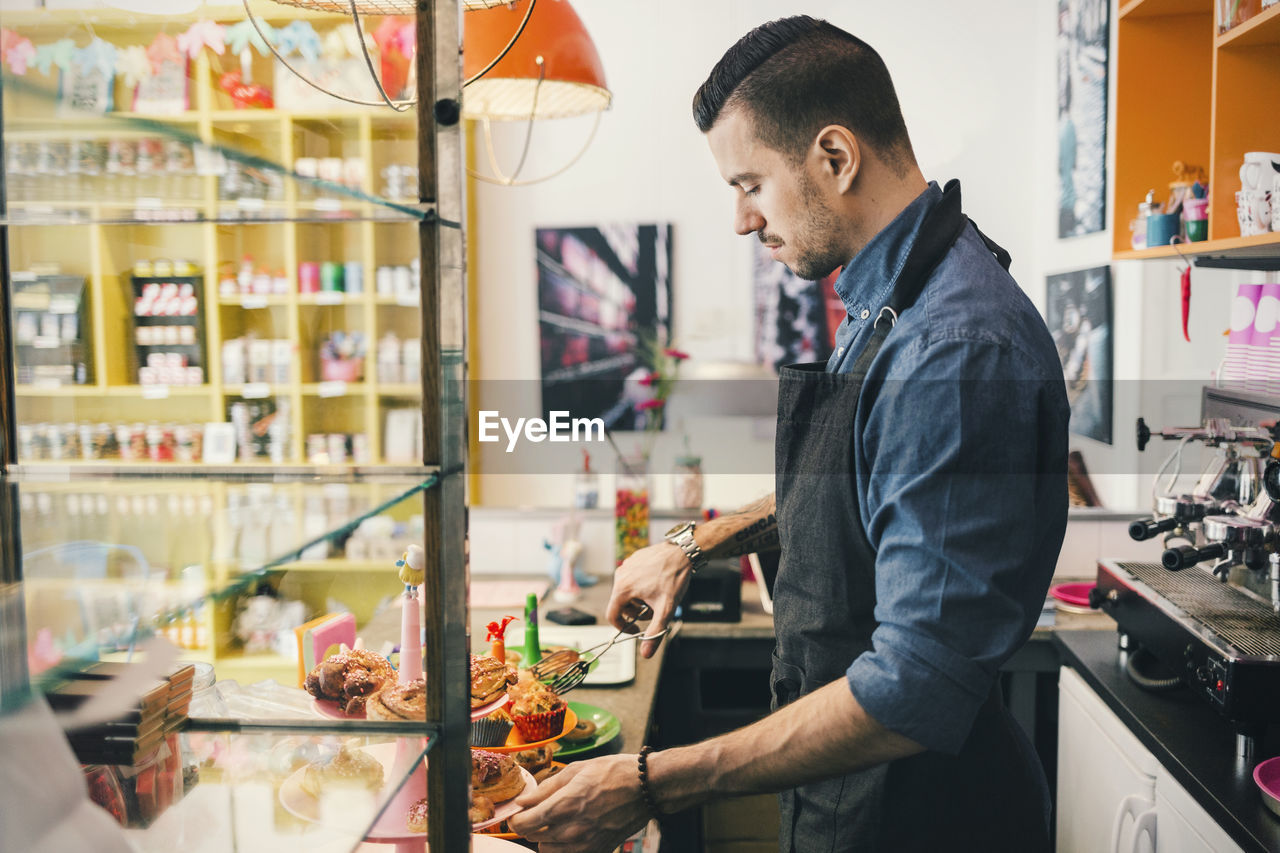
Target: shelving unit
[
  {"x": 87, "y": 232},
  {"x": 1185, "y": 92},
  {"x": 99, "y": 236},
  {"x": 209, "y": 522}
]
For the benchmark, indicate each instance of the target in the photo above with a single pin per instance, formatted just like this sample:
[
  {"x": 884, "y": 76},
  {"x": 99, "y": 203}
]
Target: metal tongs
[{"x": 568, "y": 668}]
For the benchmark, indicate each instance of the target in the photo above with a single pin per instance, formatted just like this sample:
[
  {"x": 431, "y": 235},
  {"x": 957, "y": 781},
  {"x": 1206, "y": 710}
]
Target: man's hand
[
  {"x": 656, "y": 578},
  {"x": 653, "y": 580},
  {"x": 589, "y": 807}
]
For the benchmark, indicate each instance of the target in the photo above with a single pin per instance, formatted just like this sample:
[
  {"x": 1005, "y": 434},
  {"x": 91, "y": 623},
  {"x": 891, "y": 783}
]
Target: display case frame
[{"x": 439, "y": 215}]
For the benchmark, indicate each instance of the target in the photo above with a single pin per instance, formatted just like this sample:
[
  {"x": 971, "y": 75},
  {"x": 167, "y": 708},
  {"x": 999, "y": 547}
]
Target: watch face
[{"x": 677, "y": 530}]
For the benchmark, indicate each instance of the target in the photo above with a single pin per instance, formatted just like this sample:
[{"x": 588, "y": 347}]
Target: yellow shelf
[
  {"x": 58, "y": 391},
  {"x": 109, "y": 17},
  {"x": 158, "y": 392},
  {"x": 332, "y": 298},
  {"x": 399, "y": 389},
  {"x": 258, "y": 389},
  {"x": 340, "y": 565},
  {"x": 251, "y": 301},
  {"x": 334, "y": 389}
]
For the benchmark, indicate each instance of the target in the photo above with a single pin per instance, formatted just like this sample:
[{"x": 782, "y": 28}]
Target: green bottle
[{"x": 532, "y": 650}]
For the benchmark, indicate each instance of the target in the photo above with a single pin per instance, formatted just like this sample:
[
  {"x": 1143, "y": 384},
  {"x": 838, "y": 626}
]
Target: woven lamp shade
[{"x": 572, "y": 77}]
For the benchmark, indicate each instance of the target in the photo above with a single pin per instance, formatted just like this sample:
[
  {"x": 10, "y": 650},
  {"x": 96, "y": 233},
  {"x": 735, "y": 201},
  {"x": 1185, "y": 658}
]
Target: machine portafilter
[
  {"x": 1231, "y": 479},
  {"x": 1249, "y": 538}
]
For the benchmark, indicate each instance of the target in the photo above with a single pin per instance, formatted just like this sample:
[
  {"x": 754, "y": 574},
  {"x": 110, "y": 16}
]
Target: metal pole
[{"x": 446, "y": 647}]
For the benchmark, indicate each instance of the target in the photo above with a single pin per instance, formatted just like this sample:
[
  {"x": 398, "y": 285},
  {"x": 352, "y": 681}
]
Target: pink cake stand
[{"x": 391, "y": 827}]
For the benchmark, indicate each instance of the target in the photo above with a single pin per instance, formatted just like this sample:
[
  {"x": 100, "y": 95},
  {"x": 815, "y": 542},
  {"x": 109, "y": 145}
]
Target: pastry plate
[
  {"x": 300, "y": 804},
  {"x": 607, "y": 728},
  {"x": 511, "y": 836},
  {"x": 488, "y": 708},
  {"x": 480, "y": 843},
  {"x": 617, "y": 667},
  {"x": 515, "y": 743},
  {"x": 329, "y": 708},
  {"x": 505, "y": 809}
]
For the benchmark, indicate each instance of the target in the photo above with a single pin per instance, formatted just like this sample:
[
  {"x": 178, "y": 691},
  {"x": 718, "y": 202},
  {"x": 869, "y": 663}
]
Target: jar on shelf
[
  {"x": 631, "y": 506},
  {"x": 686, "y": 482}
]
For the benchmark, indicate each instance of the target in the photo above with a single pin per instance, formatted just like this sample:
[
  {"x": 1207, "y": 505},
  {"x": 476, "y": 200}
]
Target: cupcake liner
[
  {"x": 490, "y": 732},
  {"x": 535, "y": 727}
]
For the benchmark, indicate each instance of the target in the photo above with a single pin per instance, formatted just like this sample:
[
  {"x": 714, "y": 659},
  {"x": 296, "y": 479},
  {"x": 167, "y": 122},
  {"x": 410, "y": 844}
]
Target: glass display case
[{"x": 231, "y": 403}]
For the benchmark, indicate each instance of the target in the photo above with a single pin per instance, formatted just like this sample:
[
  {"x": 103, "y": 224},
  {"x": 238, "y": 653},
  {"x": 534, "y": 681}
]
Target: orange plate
[
  {"x": 511, "y": 836},
  {"x": 515, "y": 743}
]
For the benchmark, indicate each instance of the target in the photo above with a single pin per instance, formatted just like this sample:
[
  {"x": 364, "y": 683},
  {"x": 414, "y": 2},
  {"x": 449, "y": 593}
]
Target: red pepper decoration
[
  {"x": 497, "y": 637},
  {"x": 1186, "y": 301}
]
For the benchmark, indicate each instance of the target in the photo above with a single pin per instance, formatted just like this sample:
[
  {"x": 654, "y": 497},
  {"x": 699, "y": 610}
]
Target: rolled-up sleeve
[{"x": 965, "y": 505}]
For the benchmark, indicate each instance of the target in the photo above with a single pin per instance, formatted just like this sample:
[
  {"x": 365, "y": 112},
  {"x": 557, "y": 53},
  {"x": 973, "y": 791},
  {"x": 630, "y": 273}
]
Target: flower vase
[{"x": 631, "y": 506}]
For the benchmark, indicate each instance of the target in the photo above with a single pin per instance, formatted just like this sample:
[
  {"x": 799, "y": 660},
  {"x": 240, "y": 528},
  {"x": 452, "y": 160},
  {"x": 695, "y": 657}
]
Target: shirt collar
[{"x": 870, "y": 276}]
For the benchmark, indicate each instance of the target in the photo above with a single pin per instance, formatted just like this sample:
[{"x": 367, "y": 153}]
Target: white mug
[
  {"x": 1257, "y": 171},
  {"x": 1275, "y": 202},
  {"x": 1255, "y": 212}
]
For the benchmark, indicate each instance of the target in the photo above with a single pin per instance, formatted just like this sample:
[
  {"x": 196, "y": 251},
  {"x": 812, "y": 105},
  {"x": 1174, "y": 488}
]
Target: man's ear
[{"x": 839, "y": 154}]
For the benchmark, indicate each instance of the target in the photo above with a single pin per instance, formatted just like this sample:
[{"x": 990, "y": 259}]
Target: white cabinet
[
  {"x": 1106, "y": 778},
  {"x": 1185, "y": 827},
  {"x": 1113, "y": 795}
]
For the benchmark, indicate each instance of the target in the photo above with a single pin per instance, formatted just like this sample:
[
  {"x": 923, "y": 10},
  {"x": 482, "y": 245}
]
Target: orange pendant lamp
[{"x": 551, "y": 71}]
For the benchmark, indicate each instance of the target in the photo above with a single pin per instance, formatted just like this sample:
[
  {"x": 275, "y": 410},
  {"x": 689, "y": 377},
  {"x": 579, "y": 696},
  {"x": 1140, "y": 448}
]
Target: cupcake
[
  {"x": 537, "y": 711},
  {"x": 491, "y": 730}
]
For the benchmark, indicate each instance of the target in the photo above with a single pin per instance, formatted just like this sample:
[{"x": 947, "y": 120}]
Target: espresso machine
[
  {"x": 1232, "y": 478},
  {"x": 1209, "y": 608}
]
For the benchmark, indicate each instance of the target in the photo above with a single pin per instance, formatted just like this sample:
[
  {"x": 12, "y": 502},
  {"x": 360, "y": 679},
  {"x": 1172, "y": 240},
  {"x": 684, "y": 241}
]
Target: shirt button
[
  {"x": 840, "y": 351},
  {"x": 865, "y": 313}
]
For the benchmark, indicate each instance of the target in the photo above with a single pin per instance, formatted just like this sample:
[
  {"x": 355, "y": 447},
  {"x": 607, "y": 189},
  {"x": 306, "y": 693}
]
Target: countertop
[{"x": 1185, "y": 734}]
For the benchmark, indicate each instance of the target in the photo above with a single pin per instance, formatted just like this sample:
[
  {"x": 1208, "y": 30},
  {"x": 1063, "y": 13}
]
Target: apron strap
[{"x": 942, "y": 226}]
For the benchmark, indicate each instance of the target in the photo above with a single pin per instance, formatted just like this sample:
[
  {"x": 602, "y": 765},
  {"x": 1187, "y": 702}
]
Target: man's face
[{"x": 777, "y": 199}]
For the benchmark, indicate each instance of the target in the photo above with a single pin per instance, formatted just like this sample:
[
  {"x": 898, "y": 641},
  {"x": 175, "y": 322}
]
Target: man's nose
[{"x": 746, "y": 220}]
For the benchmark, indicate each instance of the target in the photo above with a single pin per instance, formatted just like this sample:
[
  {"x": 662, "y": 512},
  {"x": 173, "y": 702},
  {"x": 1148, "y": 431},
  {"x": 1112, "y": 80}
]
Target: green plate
[{"x": 607, "y": 728}]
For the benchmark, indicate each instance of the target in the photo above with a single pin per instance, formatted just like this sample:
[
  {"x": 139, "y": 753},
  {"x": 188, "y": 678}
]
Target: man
[{"x": 920, "y": 505}]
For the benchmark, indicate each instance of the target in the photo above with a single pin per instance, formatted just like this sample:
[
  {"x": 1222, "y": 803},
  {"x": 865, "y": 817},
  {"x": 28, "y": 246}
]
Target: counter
[{"x": 1189, "y": 738}]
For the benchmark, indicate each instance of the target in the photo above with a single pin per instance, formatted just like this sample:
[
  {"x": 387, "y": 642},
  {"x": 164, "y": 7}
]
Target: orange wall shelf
[{"x": 1185, "y": 92}]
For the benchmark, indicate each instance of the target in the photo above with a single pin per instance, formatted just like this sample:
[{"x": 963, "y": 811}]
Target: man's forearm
[
  {"x": 822, "y": 735},
  {"x": 748, "y": 530}
]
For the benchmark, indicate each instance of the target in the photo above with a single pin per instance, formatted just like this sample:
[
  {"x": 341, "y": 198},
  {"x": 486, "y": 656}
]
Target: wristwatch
[{"x": 682, "y": 537}]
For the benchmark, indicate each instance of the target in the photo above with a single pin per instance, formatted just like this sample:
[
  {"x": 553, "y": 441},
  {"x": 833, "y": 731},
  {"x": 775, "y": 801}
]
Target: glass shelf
[{"x": 223, "y": 570}]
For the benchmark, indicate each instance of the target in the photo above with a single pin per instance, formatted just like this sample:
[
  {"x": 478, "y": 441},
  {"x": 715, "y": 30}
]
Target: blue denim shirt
[{"x": 961, "y": 442}]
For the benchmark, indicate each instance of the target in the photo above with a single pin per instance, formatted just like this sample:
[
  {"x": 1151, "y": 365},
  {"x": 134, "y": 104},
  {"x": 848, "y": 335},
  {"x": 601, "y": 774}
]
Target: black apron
[{"x": 992, "y": 796}]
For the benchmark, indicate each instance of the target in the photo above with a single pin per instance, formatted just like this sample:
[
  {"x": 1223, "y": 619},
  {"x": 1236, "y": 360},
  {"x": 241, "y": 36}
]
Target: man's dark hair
[{"x": 797, "y": 75}]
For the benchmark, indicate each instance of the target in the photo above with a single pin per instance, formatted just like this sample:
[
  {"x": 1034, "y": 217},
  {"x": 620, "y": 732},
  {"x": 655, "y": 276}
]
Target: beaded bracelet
[{"x": 643, "y": 767}]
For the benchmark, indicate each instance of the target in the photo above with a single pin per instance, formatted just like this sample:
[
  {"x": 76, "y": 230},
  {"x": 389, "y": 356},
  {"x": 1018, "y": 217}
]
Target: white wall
[
  {"x": 965, "y": 73},
  {"x": 977, "y": 81}
]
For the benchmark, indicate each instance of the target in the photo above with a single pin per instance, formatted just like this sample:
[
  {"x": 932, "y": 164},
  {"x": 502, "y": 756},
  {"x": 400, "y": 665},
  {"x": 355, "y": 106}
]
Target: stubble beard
[{"x": 816, "y": 243}]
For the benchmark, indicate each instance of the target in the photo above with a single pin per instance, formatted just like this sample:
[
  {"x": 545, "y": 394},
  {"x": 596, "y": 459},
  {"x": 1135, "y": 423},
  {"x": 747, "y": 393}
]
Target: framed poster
[
  {"x": 1078, "y": 305},
  {"x": 795, "y": 319},
  {"x": 1083, "y": 41},
  {"x": 604, "y": 312}
]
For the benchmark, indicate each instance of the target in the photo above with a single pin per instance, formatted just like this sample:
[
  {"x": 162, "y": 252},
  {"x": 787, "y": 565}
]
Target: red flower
[
  {"x": 651, "y": 378},
  {"x": 678, "y": 355},
  {"x": 644, "y": 405}
]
